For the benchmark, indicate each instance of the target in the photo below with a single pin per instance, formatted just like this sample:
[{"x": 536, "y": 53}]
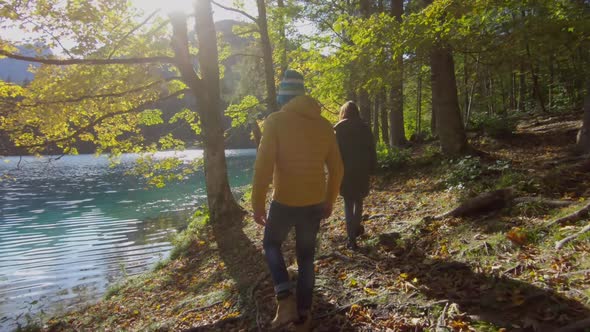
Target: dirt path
[{"x": 490, "y": 273}]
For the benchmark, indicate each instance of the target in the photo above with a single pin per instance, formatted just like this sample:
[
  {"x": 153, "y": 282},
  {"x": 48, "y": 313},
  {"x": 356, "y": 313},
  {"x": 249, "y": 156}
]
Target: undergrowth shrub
[
  {"x": 494, "y": 125},
  {"x": 462, "y": 171},
  {"x": 391, "y": 158}
]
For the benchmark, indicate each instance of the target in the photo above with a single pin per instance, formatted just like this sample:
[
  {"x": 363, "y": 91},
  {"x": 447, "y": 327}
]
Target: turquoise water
[{"x": 70, "y": 227}]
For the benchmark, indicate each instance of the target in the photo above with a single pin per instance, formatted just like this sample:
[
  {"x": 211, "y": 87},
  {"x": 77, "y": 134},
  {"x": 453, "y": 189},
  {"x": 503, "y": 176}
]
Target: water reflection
[{"x": 70, "y": 227}]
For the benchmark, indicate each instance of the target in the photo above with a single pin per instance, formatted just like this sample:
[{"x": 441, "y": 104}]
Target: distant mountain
[{"x": 18, "y": 71}]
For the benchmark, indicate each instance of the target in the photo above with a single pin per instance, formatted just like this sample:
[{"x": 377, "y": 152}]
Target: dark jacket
[{"x": 357, "y": 148}]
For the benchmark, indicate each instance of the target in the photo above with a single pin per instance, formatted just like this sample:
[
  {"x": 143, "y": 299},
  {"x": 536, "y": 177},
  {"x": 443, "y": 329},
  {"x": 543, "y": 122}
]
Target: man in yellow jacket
[{"x": 297, "y": 147}]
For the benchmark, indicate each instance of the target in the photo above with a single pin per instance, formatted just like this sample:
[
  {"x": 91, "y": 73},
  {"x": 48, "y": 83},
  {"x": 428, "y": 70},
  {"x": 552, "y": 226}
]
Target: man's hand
[
  {"x": 327, "y": 210},
  {"x": 260, "y": 217}
]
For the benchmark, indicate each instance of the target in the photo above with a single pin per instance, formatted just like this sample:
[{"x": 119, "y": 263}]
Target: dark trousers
[
  {"x": 353, "y": 212},
  {"x": 306, "y": 220}
]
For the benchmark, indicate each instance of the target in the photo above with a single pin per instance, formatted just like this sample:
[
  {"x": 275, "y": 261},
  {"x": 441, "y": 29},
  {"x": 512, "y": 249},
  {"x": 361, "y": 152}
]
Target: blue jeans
[
  {"x": 306, "y": 220},
  {"x": 353, "y": 212}
]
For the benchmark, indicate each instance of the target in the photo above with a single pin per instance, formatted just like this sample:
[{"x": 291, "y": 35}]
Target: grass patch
[{"x": 184, "y": 241}]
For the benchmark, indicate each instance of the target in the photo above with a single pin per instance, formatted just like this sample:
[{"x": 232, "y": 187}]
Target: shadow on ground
[{"x": 500, "y": 300}]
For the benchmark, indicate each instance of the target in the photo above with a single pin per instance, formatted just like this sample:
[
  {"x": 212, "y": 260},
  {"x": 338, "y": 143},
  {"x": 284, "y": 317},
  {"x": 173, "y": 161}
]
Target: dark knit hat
[{"x": 291, "y": 86}]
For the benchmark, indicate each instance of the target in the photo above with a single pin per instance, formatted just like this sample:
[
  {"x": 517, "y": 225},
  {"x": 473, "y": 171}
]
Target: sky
[
  {"x": 167, "y": 6},
  {"x": 164, "y": 6}
]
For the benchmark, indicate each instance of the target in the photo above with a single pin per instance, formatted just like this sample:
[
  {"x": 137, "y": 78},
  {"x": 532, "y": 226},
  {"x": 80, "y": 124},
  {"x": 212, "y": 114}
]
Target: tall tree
[
  {"x": 384, "y": 116},
  {"x": 449, "y": 125},
  {"x": 445, "y": 100},
  {"x": 583, "y": 140},
  {"x": 269, "y": 72},
  {"x": 223, "y": 208},
  {"x": 397, "y": 134},
  {"x": 364, "y": 98}
]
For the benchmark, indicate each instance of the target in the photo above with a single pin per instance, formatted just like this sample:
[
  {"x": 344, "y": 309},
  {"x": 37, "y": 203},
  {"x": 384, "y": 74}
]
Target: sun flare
[{"x": 149, "y": 6}]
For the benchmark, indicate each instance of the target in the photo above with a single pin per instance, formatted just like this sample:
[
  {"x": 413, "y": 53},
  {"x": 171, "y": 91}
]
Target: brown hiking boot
[
  {"x": 304, "y": 322},
  {"x": 286, "y": 312}
]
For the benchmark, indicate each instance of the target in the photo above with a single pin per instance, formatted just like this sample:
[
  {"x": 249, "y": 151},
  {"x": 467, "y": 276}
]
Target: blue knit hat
[{"x": 291, "y": 86}]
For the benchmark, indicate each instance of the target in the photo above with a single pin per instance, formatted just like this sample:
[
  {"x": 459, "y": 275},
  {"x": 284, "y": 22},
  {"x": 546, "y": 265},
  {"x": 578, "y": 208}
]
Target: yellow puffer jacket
[{"x": 297, "y": 144}]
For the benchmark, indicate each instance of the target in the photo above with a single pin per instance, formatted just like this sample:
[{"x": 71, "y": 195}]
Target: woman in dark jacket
[{"x": 357, "y": 148}]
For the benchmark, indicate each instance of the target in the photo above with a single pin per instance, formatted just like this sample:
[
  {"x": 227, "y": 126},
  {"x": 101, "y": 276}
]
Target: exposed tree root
[
  {"x": 543, "y": 201},
  {"x": 496, "y": 200},
  {"x": 485, "y": 202},
  {"x": 560, "y": 244},
  {"x": 575, "y": 216}
]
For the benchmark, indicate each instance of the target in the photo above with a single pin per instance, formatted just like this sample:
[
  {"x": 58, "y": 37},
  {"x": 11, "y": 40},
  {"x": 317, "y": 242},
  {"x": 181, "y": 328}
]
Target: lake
[{"x": 71, "y": 227}]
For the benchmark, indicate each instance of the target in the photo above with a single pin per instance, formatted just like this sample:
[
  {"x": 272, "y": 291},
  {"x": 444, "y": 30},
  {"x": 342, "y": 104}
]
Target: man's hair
[{"x": 349, "y": 111}]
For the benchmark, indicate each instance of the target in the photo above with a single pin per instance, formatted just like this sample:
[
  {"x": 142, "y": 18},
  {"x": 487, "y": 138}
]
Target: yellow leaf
[{"x": 370, "y": 291}]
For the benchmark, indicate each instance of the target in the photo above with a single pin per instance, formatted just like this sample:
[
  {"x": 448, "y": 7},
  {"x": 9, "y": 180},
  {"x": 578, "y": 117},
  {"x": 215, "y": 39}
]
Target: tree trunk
[
  {"x": 466, "y": 88},
  {"x": 444, "y": 94},
  {"x": 376, "y": 108},
  {"x": 536, "y": 88},
  {"x": 583, "y": 139},
  {"x": 513, "y": 90},
  {"x": 522, "y": 88},
  {"x": 503, "y": 95},
  {"x": 269, "y": 72},
  {"x": 283, "y": 36},
  {"x": 397, "y": 133},
  {"x": 364, "y": 102},
  {"x": 365, "y": 106},
  {"x": 433, "y": 111},
  {"x": 244, "y": 262},
  {"x": 419, "y": 104},
  {"x": 551, "y": 80},
  {"x": 490, "y": 89},
  {"x": 384, "y": 117},
  {"x": 223, "y": 208}
]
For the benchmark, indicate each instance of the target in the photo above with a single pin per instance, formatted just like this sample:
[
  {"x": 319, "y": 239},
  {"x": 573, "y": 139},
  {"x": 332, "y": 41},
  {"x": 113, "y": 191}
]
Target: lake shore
[{"x": 493, "y": 272}]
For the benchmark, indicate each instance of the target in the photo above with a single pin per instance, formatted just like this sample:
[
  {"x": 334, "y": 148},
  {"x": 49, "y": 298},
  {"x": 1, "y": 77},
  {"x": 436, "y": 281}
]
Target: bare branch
[
  {"x": 103, "y": 117},
  {"x": 156, "y": 59},
  {"x": 66, "y": 51},
  {"x": 131, "y": 32},
  {"x": 106, "y": 95},
  {"x": 235, "y": 10}
]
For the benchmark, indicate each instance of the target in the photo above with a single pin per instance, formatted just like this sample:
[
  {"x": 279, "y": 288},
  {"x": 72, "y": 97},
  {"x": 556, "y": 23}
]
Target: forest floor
[{"x": 494, "y": 272}]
